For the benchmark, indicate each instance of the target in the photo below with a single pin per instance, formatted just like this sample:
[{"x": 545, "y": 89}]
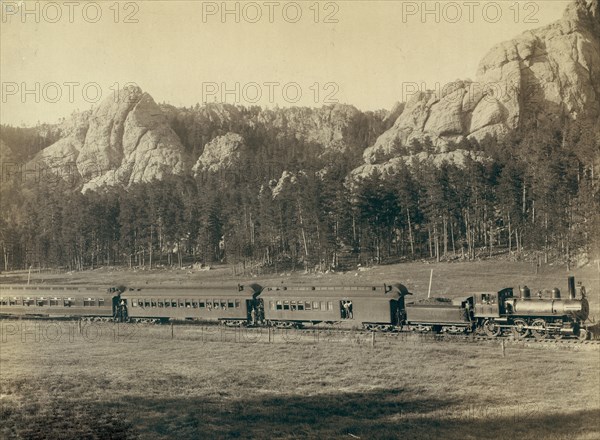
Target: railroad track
[
  {"x": 505, "y": 339},
  {"x": 327, "y": 333}
]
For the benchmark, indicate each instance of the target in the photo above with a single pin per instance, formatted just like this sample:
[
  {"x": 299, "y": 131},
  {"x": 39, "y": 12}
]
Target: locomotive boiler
[{"x": 552, "y": 307}]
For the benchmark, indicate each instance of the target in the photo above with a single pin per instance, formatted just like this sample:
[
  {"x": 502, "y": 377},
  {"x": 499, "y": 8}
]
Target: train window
[
  {"x": 181, "y": 303},
  {"x": 201, "y": 304},
  {"x": 89, "y": 302},
  {"x": 238, "y": 304},
  {"x": 329, "y": 305},
  {"x": 42, "y": 302},
  {"x": 487, "y": 298},
  {"x": 3, "y": 302},
  {"x": 134, "y": 303},
  {"x": 167, "y": 303},
  {"x": 195, "y": 304},
  {"x": 307, "y": 305},
  {"x": 28, "y": 302},
  {"x": 188, "y": 304},
  {"x": 161, "y": 303},
  {"x": 231, "y": 304},
  {"x": 286, "y": 305},
  {"x": 54, "y": 301},
  {"x": 173, "y": 303},
  {"x": 323, "y": 305},
  {"x": 146, "y": 303},
  {"x": 101, "y": 302},
  {"x": 315, "y": 305},
  {"x": 152, "y": 303},
  {"x": 223, "y": 304},
  {"x": 12, "y": 301},
  {"x": 300, "y": 305},
  {"x": 272, "y": 305},
  {"x": 293, "y": 305},
  {"x": 68, "y": 302},
  {"x": 279, "y": 305}
]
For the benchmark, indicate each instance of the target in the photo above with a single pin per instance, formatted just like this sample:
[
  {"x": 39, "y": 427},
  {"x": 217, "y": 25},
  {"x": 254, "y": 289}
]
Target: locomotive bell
[
  {"x": 525, "y": 292},
  {"x": 556, "y": 293}
]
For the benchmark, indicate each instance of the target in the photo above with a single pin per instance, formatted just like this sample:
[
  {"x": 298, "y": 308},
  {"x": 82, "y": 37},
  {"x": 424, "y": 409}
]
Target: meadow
[{"x": 126, "y": 381}]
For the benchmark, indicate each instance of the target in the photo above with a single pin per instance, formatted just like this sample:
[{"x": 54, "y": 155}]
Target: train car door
[
  {"x": 396, "y": 311},
  {"x": 119, "y": 308},
  {"x": 253, "y": 311},
  {"x": 346, "y": 309},
  {"x": 115, "y": 305}
]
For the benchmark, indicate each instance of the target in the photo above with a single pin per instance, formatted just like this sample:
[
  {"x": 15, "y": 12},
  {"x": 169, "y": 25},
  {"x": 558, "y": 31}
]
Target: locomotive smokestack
[
  {"x": 525, "y": 292},
  {"x": 571, "y": 283}
]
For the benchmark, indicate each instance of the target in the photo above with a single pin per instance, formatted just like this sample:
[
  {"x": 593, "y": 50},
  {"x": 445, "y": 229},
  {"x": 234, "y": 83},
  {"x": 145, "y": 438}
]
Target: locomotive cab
[{"x": 492, "y": 304}]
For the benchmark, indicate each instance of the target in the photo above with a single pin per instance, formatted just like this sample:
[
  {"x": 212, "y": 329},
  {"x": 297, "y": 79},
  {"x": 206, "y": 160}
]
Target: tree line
[{"x": 536, "y": 191}]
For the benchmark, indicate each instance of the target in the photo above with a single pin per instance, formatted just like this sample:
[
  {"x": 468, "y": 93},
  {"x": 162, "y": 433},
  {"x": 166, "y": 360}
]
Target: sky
[{"x": 59, "y": 57}]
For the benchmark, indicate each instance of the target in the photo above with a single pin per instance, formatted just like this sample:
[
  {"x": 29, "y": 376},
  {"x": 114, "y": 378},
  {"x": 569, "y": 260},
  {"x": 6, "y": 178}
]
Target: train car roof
[
  {"x": 330, "y": 291},
  {"x": 38, "y": 289},
  {"x": 248, "y": 291}
]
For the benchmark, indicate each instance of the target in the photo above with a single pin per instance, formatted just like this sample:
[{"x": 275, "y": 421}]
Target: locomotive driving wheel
[
  {"x": 583, "y": 334},
  {"x": 490, "y": 328},
  {"x": 539, "y": 332},
  {"x": 519, "y": 329}
]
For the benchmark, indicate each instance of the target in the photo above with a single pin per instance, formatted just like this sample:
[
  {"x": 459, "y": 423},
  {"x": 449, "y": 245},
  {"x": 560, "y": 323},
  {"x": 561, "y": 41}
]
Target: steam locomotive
[
  {"x": 376, "y": 308},
  {"x": 495, "y": 313}
]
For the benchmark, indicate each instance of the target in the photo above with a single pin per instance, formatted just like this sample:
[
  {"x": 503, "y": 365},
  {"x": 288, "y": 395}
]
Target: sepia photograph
[{"x": 310, "y": 219}]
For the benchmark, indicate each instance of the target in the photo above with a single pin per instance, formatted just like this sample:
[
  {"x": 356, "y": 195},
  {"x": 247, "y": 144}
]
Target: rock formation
[
  {"x": 553, "y": 71},
  {"x": 326, "y": 126},
  {"x": 222, "y": 153},
  {"x": 550, "y": 72},
  {"x": 125, "y": 140}
]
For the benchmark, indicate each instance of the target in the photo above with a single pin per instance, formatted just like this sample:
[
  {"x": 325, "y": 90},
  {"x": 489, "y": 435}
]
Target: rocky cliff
[
  {"x": 125, "y": 140},
  {"x": 550, "y": 72},
  {"x": 222, "y": 153},
  {"x": 328, "y": 126}
]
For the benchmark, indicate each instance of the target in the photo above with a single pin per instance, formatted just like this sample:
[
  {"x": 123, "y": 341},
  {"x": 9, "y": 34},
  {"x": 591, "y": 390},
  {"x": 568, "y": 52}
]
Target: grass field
[{"x": 107, "y": 381}]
